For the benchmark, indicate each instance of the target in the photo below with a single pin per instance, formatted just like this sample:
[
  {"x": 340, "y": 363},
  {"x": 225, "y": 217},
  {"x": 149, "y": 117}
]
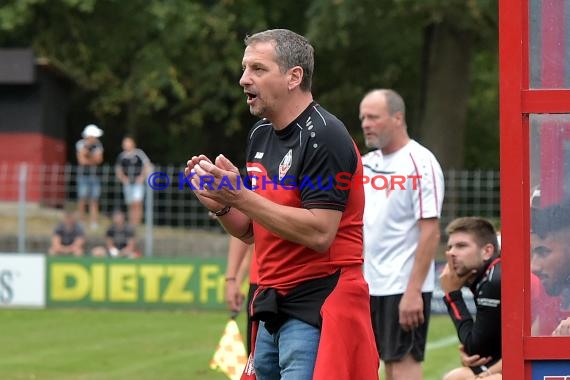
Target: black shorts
[{"x": 392, "y": 342}]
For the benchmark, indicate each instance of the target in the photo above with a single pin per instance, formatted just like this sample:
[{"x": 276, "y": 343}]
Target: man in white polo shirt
[{"x": 403, "y": 197}]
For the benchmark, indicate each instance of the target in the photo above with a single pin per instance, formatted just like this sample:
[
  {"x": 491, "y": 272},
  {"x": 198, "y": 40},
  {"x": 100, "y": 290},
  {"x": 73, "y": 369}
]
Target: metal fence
[
  {"x": 54, "y": 186},
  {"x": 471, "y": 193}
]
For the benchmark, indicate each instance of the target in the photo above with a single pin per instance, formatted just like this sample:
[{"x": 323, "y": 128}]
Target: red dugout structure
[
  {"x": 535, "y": 153},
  {"x": 33, "y": 112}
]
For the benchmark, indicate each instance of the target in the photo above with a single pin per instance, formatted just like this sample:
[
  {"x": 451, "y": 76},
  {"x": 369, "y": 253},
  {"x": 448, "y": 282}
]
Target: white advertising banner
[{"x": 22, "y": 280}]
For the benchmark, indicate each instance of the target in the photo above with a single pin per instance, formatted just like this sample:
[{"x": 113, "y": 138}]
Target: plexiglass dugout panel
[
  {"x": 549, "y": 44},
  {"x": 549, "y": 197}
]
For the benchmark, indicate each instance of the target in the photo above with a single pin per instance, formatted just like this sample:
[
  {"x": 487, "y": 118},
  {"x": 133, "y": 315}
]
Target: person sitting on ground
[
  {"x": 120, "y": 239},
  {"x": 68, "y": 237}
]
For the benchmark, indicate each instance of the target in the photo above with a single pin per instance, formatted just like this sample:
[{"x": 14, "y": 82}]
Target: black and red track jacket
[{"x": 482, "y": 335}]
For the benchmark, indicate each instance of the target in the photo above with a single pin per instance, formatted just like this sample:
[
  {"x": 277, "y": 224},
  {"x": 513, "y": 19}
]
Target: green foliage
[
  {"x": 482, "y": 134},
  {"x": 369, "y": 44},
  {"x": 360, "y": 48},
  {"x": 167, "y": 71},
  {"x": 155, "y": 69}
]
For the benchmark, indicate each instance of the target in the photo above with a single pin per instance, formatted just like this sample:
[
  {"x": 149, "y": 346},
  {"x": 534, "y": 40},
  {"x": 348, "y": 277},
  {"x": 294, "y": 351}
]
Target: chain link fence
[
  {"x": 172, "y": 204},
  {"x": 471, "y": 193}
]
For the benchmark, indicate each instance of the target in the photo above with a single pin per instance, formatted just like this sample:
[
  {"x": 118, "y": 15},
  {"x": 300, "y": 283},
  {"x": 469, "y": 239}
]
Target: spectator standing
[
  {"x": 401, "y": 232},
  {"x": 132, "y": 168},
  {"x": 89, "y": 152},
  {"x": 68, "y": 237}
]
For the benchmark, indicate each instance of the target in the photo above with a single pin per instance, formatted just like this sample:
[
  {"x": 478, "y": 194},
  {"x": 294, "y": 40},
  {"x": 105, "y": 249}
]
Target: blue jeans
[
  {"x": 289, "y": 354},
  {"x": 88, "y": 187}
]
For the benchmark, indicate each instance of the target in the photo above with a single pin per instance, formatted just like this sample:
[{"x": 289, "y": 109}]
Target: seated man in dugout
[
  {"x": 68, "y": 237},
  {"x": 473, "y": 261},
  {"x": 550, "y": 265},
  {"x": 120, "y": 239}
]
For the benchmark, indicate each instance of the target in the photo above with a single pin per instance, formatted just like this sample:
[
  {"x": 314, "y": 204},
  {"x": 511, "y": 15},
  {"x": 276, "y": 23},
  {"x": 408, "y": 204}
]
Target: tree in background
[
  {"x": 167, "y": 71},
  {"x": 434, "y": 52}
]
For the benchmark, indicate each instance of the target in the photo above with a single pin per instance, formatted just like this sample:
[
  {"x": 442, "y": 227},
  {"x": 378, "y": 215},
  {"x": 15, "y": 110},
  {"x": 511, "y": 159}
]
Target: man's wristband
[{"x": 222, "y": 212}]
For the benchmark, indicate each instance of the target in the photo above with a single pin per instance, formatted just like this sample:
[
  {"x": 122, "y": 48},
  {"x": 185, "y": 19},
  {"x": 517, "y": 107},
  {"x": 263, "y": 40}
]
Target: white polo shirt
[{"x": 396, "y": 198}]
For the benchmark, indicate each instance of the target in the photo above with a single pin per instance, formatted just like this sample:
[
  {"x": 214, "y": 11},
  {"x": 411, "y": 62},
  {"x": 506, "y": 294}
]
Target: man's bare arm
[{"x": 411, "y": 305}]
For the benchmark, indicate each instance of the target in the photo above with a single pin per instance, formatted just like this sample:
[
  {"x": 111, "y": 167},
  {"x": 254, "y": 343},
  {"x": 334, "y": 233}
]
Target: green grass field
[{"x": 125, "y": 345}]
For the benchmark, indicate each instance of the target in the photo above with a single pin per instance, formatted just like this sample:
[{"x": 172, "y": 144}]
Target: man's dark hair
[
  {"x": 550, "y": 219},
  {"x": 481, "y": 229},
  {"x": 291, "y": 49}
]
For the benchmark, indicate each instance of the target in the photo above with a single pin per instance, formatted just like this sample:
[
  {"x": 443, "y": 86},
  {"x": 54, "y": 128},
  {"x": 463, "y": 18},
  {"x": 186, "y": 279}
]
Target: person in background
[
  {"x": 546, "y": 312},
  {"x": 401, "y": 232},
  {"x": 120, "y": 239},
  {"x": 473, "y": 260},
  {"x": 132, "y": 167},
  {"x": 241, "y": 264},
  {"x": 68, "y": 237},
  {"x": 550, "y": 263},
  {"x": 89, "y": 152}
]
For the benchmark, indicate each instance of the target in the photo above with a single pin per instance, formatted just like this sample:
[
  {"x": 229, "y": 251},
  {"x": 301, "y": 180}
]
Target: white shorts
[{"x": 133, "y": 192}]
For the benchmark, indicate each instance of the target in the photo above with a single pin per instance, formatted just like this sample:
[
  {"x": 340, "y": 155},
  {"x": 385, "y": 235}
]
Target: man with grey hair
[
  {"x": 404, "y": 196},
  {"x": 312, "y": 303}
]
